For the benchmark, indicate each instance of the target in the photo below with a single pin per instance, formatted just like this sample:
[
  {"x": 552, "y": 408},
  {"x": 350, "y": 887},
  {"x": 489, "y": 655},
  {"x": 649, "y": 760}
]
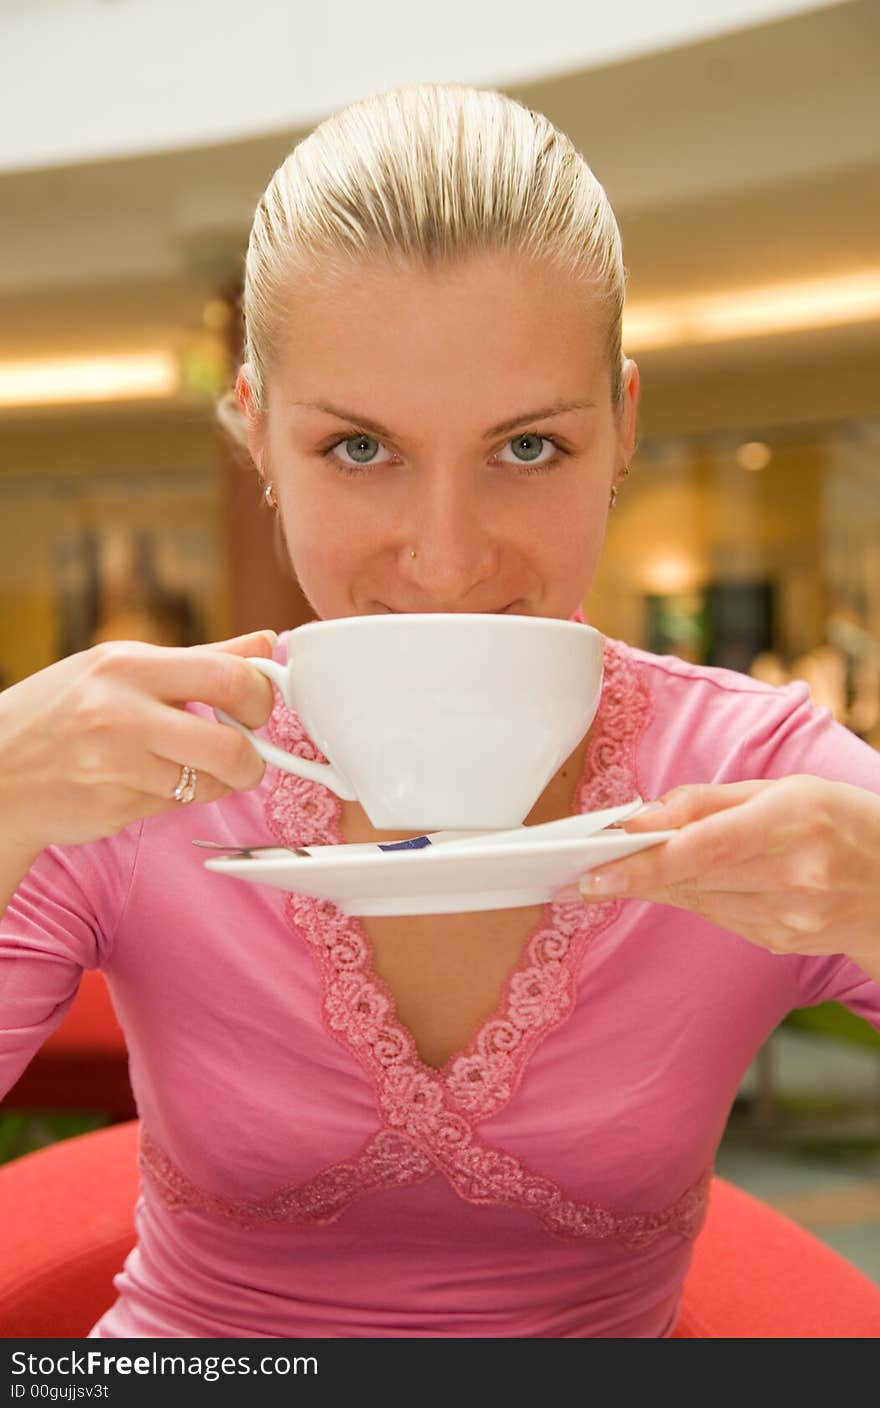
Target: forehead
[{"x": 478, "y": 330}]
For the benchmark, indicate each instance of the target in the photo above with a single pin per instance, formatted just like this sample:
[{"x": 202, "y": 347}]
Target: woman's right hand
[{"x": 97, "y": 740}]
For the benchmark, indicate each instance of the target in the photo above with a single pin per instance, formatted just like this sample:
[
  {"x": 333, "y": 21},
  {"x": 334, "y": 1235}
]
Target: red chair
[
  {"x": 84, "y": 1064},
  {"x": 67, "y": 1211}
]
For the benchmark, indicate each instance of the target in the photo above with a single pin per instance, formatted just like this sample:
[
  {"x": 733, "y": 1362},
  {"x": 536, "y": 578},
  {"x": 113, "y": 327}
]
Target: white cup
[{"x": 437, "y": 720}]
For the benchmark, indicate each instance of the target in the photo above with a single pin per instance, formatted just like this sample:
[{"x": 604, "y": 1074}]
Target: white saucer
[{"x": 439, "y": 879}]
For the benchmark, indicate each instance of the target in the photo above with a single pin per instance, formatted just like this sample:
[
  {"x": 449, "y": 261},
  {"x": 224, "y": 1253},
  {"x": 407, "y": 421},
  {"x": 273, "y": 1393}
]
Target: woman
[{"x": 459, "y": 1125}]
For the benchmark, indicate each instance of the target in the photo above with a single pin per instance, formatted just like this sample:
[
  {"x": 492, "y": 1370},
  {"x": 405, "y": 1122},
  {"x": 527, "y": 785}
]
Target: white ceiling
[
  {"x": 733, "y": 161},
  {"x": 90, "y": 79}
]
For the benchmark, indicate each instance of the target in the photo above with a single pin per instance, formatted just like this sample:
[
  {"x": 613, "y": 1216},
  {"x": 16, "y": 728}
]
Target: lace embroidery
[
  {"x": 430, "y": 1114},
  {"x": 385, "y": 1161},
  {"x": 539, "y": 991},
  {"x": 388, "y": 1160}
]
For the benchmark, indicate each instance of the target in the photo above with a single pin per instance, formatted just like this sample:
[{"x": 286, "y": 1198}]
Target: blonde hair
[{"x": 419, "y": 176}]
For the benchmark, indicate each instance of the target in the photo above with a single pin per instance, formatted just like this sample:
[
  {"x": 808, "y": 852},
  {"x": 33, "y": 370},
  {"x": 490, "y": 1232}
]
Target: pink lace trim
[
  {"x": 388, "y": 1160},
  {"x": 539, "y": 991},
  {"x": 430, "y": 1115},
  {"x": 385, "y": 1161}
]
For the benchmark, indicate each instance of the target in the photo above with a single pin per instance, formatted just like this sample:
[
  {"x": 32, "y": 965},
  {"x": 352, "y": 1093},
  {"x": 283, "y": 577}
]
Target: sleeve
[
  {"x": 793, "y": 737},
  {"x": 61, "y": 920},
  {"x": 806, "y": 740},
  {"x": 839, "y": 980}
]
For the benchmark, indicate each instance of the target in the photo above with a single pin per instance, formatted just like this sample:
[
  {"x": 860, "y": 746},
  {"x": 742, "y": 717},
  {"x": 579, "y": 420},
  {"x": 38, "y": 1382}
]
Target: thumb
[
  {"x": 253, "y": 643},
  {"x": 683, "y": 805}
]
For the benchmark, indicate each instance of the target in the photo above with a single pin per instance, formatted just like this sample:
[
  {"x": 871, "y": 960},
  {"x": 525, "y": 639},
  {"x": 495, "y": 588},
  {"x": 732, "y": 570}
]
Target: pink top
[{"x": 305, "y": 1174}]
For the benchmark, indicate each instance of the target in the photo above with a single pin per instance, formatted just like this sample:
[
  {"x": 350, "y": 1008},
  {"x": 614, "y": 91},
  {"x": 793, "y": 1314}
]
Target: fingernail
[
  {"x": 608, "y": 884},
  {"x": 271, "y": 636},
  {"x": 651, "y": 812}
]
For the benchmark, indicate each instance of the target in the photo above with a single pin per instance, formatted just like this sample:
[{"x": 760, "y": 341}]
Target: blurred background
[{"x": 740, "y": 147}]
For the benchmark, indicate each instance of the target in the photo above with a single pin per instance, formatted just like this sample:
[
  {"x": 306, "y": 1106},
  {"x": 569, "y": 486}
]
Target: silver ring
[{"x": 185, "y": 790}]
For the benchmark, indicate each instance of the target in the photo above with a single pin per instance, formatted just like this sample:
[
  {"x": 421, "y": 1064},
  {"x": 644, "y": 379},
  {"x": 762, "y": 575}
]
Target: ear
[
  {"x": 632, "y": 390},
  {"x": 254, "y": 419}
]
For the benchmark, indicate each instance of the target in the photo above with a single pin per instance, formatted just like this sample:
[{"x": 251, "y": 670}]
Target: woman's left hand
[{"x": 792, "y": 865}]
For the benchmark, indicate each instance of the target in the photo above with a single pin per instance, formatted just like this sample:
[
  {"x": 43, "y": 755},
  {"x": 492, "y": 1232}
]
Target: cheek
[
  {"x": 315, "y": 534},
  {"x": 574, "y": 523},
  {"x": 571, "y": 541},
  {"x": 577, "y": 556},
  {"x": 327, "y": 543}
]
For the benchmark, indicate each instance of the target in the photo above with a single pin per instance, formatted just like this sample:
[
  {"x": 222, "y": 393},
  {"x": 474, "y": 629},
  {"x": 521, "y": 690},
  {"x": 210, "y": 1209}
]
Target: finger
[
  {"x": 217, "y": 677},
  {"x": 690, "y": 803},
  {"x": 139, "y": 805},
  {"x": 758, "y": 875},
  {"x": 139, "y": 773},
  {"x": 183, "y": 739},
  {"x": 746, "y": 915},
  {"x": 721, "y": 842},
  {"x": 758, "y": 918},
  {"x": 251, "y": 643},
  {"x": 765, "y": 872},
  {"x": 166, "y": 777}
]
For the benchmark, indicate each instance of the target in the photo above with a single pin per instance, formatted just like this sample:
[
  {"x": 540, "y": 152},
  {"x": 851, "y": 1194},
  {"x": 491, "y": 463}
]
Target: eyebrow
[{"x": 558, "y": 408}]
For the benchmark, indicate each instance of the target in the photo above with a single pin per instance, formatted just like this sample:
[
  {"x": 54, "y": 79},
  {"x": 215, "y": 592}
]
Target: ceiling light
[
  {"x": 670, "y": 573},
  {"x": 216, "y": 314},
  {"x": 753, "y": 454},
  {"x": 755, "y": 312},
  {"x": 67, "y": 380}
]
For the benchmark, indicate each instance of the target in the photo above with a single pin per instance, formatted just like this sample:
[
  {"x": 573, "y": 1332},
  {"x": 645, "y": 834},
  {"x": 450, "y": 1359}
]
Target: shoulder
[
  {"x": 704, "y": 723},
  {"x": 672, "y": 671},
  {"x": 675, "y": 683},
  {"x": 699, "y": 723}
]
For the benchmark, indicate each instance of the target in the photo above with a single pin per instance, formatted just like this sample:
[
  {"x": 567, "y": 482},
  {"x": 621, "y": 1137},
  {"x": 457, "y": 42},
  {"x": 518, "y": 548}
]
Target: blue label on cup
[{"x": 415, "y": 843}]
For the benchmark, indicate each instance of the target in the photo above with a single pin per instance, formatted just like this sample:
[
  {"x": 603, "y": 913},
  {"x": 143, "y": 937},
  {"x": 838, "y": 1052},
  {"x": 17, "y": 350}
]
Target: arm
[
  {"x": 789, "y": 857},
  {"x": 89, "y": 747},
  {"x": 793, "y": 865},
  {"x": 61, "y": 920},
  {"x": 97, "y": 740},
  {"x": 15, "y": 862}
]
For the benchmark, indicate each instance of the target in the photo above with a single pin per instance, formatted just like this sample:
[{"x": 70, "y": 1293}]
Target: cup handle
[{"x": 279, "y": 757}]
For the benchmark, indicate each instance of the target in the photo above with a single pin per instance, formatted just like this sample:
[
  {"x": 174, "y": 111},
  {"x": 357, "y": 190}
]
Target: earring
[
  {"x": 412, "y": 553},
  {"x": 270, "y": 495},
  {"x": 615, "y": 488}
]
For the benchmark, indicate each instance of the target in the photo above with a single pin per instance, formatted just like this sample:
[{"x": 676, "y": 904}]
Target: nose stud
[{"x": 412, "y": 553}]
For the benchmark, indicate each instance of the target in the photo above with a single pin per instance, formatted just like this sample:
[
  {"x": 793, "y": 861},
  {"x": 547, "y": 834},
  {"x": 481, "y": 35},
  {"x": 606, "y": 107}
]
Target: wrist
[
  {"x": 16, "y": 847},
  {"x": 15, "y": 862},
  {"x": 21, "y": 854}
]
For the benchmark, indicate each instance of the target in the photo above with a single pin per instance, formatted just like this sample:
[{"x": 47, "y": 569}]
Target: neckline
[{"x": 538, "y": 991}]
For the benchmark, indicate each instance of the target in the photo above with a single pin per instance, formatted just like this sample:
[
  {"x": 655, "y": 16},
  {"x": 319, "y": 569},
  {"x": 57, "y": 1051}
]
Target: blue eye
[
  {"x": 528, "y": 447},
  {"x": 357, "y": 445},
  {"x": 361, "y": 447},
  {"x": 533, "y": 454}
]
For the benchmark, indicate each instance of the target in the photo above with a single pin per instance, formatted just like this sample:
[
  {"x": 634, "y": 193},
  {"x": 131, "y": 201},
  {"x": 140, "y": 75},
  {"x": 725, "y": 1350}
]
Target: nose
[{"x": 455, "y": 546}]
